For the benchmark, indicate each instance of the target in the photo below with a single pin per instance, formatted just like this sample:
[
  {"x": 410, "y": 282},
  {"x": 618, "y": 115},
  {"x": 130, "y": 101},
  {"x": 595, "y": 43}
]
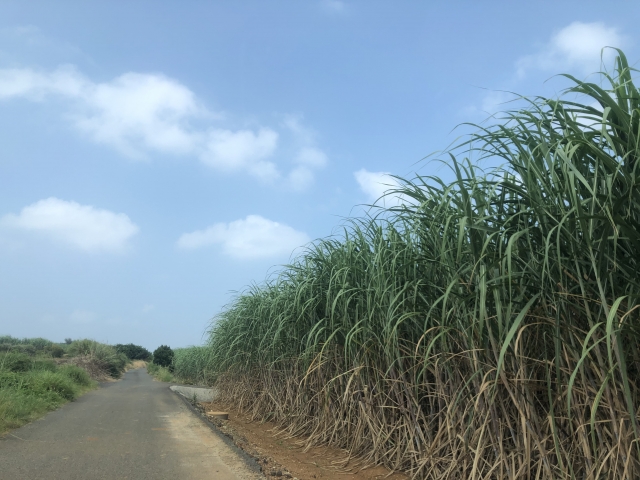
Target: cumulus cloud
[
  {"x": 135, "y": 113},
  {"x": 81, "y": 226},
  {"x": 250, "y": 238},
  {"x": 376, "y": 184},
  {"x": 576, "y": 46},
  {"x": 244, "y": 149},
  {"x": 141, "y": 114}
]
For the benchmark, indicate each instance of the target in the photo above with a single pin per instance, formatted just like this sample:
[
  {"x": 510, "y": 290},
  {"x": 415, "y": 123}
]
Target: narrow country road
[{"x": 133, "y": 429}]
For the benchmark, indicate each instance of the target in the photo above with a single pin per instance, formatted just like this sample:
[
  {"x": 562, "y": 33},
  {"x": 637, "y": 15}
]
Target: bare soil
[{"x": 282, "y": 456}]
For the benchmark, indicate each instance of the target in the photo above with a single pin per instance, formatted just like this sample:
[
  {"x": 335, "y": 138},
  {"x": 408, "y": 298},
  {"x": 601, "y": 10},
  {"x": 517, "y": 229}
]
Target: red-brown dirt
[{"x": 282, "y": 456}]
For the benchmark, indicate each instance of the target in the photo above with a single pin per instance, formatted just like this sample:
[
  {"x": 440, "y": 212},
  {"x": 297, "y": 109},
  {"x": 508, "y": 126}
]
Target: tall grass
[
  {"x": 487, "y": 327},
  {"x": 193, "y": 365},
  {"x": 104, "y": 357},
  {"x": 30, "y": 387}
]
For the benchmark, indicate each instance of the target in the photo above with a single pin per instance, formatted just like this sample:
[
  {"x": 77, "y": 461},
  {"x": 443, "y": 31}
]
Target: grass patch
[
  {"x": 162, "y": 374},
  {"x": 31, "y": 387}
]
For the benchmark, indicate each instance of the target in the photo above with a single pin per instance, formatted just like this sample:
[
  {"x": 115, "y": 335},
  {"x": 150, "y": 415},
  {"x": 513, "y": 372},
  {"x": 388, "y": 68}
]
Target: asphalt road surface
[{"x": 131, "y": 429}]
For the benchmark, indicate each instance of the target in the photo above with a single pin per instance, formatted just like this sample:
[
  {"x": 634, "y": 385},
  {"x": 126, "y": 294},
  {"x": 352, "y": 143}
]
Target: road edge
[{"x": 249, "y": 460}]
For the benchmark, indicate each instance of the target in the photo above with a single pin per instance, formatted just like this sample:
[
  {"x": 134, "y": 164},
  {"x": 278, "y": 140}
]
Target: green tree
[
  {"x": 133, "y": 352},
  {"x": 163, "y": 356}
]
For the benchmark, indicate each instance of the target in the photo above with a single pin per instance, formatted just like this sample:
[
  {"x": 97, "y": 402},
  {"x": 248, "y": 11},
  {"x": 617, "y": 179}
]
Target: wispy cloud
[
  {"x": 244, "y": 149},
  {"x": 249, "y": 238},
  {"x": 308, "y": 159},
  {"x": 576, "y": 46},
  {"x": 376, "y": 184},
  {"x": 81, "y": 226},
  {"x": 144, "y": 114}
]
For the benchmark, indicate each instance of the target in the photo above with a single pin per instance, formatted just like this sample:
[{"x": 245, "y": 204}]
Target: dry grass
[{"x": 136, "y": 364}]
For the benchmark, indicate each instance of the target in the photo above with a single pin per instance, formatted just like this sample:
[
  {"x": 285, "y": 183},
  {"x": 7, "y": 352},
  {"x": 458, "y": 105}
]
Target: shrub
[
  {"x": 76, "y": 374},
  {"x": 18, "y": 348},
  {"x": 55, "y": 350},
  {"x": 39, "y": 344},
  {"x": 41, "y": 364},
  {"x": 42, "y": 381},
  {"x": 163, "y": 356},
  {"x": 15, "y": 362},
  {"x": 133, "y": 352},
  {"x": 30, "y": 386},
  {"x": 9, "y": 379},
  {"x": 82, "y": 347},
  {"x": 161, "y": 374},
  {"x": 106, "y": 355}
]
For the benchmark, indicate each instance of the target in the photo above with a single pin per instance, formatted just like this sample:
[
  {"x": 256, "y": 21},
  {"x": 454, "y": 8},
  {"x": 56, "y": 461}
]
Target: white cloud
[
  {"x": 578, "y": 45},
  {"x": 242, "y": 150},
  {"x": 249, "y": 238},
  {"x": 135, "y": 113},
  {"x": 81, "y": 226},
  {"x": 376, "y": 184},
  {"x": 308, "y": 158},
  {"x": 16, "y": 82},
  {"x": 140, "y": 114}
]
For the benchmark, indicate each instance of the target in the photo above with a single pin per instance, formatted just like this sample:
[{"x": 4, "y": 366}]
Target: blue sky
[{"x": 158, "y": 156}]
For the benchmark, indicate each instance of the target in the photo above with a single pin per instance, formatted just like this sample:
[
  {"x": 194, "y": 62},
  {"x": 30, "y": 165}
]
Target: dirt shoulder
[{"x": 281, "y": 456}]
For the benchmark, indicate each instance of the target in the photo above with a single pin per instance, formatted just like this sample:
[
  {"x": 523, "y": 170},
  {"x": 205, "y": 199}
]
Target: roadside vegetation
[
  {"x": 101, "y": 360},
  {"x": 37, "y": 375},
  {"x": 192, "y": 365},
  {"x": 484, "y": 328},
  {"x": 161, "y": 367},
  {"x": 133, "y": 352},
  {"x": 33, "y": 381}
]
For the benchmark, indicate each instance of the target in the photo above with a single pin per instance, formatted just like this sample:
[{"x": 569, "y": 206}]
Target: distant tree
[
  {"x": 163, "y": 356},
  {"x": 133, "y": 352},
  {"x": 68, "y": 341}
]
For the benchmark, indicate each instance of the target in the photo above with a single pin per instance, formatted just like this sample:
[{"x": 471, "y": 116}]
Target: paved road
[{"x": 133, "y": 429}]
